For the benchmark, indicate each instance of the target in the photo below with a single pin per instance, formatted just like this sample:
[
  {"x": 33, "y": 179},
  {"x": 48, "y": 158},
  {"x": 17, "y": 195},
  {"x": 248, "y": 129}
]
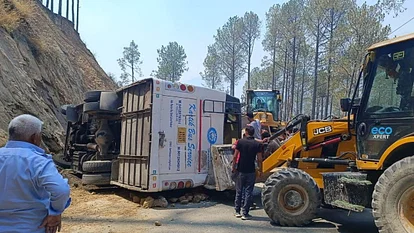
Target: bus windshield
[{"x": 263, "y": 101}]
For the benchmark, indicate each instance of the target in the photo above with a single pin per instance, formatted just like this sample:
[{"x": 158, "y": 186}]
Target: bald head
[{"x": 26, "y": 128}]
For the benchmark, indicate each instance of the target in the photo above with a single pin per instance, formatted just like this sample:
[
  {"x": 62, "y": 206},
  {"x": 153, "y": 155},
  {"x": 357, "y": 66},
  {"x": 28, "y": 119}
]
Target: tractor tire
[
  {"x": 92, "y": 96},
  {"x": 96, "y": 179},
  {"x": 291, "y": 197},
  {"x": 97, "y": 166},
  {"x": 393, "y": 198}
]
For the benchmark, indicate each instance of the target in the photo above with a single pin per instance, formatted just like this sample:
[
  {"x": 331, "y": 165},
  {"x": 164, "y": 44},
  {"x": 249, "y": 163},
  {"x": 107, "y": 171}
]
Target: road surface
[{"x": 113, "y": 212}]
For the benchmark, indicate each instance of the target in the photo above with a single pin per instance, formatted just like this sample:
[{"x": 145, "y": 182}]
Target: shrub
[{"x": 13, "y": 12}]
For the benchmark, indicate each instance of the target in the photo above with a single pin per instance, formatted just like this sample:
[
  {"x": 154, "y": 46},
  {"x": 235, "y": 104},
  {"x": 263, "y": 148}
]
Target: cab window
[{"x": 392, "y": 87}]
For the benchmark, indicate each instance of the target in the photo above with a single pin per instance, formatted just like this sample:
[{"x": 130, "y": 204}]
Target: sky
[{"x": 107, "y": 26}]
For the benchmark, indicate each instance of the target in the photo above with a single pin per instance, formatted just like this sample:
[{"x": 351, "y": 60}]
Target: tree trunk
[
  {"x": 321, "y": 109},
  {"x": 274, "y": 67},
  {"x": 60, "y": 8},
  {"x": 287, "y": 91},
  {"x": 292, "y": 92},
  {"x": 67, "y": 9},
  {"x": 317, "y": 108},
  {"x": 315, "y": 80},
  {"x": 330, "y": 53},
  {"x": 233, "y": 73},
  {"x": 331, "y": 105},
  {"x": 47, "y": 3},
  {"x": 248, "y": 64},
  {"x": 51, "y": 5},
  {"x": 284, "y": 94},
  {"x": 297, "y": 102},
  {"x": 77, "y": 16},
  {"x": 132, "y": 72},
  {"x": 73, "y": 12},
  {"x": 302, "y": 86}
]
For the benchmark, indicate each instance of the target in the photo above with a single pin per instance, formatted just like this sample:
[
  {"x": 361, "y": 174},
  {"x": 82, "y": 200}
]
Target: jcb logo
[{"x": 326, "y": 129}]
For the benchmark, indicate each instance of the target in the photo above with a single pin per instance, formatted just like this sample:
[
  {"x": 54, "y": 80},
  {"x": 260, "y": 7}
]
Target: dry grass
[
  {"x": 24, "y": 7},
  {"x": 3, "y": 138},
  {"x": 13, "y": 12},
  {"x": 37, "y": 45}
]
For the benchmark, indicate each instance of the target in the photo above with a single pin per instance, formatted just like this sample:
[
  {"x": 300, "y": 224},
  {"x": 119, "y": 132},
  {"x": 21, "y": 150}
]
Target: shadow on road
[{"x": 330, "y": 220}]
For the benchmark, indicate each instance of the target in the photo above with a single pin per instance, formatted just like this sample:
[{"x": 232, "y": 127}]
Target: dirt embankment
[{"x": 43, "y": 64}]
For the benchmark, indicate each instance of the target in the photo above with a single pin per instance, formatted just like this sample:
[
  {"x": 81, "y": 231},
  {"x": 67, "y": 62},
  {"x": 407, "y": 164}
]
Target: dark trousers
[{"x": 244, "y": 191}]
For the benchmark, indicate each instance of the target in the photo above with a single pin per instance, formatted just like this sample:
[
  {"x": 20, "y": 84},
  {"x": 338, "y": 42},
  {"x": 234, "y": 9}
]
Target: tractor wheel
[
  {"x": 393, "y": 198},
  {"x": 291, "y": 197}
]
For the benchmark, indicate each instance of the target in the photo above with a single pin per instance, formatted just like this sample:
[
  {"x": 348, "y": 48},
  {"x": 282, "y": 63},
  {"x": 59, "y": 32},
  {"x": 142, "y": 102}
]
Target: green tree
[
  {"x": 251, "y": 32},
  {"x": 211, "y": 75},
  {"x": 231, "y": 51},
  {"x": 316, "y": 15},
  {"x": 171, "y": 62},
  {"x": 271, "y": 39},
  {"x": 131, "y": 60}
]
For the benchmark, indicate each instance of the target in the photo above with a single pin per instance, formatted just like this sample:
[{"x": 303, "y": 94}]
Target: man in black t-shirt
[{"x": 248, "y": 148}]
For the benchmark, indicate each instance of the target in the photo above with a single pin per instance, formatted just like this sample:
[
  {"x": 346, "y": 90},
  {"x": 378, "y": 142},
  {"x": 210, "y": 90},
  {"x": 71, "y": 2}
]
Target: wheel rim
[
  {"x": 293, "y": 199},
  {"x": 406, "y": 209}
]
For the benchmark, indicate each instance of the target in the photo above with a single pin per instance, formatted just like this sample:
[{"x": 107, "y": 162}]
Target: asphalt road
[
  {"x": 217, "y": 216},
  {"x": 113, "y": 211}
]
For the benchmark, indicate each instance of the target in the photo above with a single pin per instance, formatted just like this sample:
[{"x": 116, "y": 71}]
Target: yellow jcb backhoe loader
[{"x": 370, "y": 154}]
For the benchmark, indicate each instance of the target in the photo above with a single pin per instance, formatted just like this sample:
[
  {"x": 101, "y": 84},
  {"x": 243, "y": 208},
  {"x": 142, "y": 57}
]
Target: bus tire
[
  {"x": 96, "y": 179},
  {"x": 92, "y": 96},
  {"x": 97, "y": 166}
]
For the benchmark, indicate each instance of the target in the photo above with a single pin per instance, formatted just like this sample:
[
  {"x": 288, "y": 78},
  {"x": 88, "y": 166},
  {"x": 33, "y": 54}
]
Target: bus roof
[
  {"x": 392, "y": 41},
  {"x": 163, "y": 82}
]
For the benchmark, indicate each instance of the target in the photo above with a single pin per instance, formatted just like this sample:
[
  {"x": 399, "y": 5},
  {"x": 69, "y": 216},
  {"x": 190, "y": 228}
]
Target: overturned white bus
[{"x": 150, "y": 136}]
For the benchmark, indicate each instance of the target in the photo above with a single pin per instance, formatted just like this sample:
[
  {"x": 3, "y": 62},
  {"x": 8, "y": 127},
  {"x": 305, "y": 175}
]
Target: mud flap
[{"x": 222, "y": 157}]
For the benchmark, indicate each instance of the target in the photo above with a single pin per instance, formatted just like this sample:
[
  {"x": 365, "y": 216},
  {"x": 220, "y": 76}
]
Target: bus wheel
[
  {"x": 291, "y": 197},
  {"x": 393, "y": 198}
]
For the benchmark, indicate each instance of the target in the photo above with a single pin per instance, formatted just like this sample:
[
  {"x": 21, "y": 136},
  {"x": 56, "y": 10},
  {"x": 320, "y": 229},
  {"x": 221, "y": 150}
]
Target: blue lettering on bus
[
  {"x": 178, "y": 114},
  {"x": 171, "y": 113},
  {"x": 178, "y": 158},
  {"x": 191, "y": 131},
  {"x": 169, "y": 155}
]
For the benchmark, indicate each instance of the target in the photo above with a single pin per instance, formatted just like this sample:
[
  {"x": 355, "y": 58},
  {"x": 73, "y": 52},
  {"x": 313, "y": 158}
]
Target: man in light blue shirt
[
  {"x": 33, "y": 194},
  {"x": 256, "y": 125}
]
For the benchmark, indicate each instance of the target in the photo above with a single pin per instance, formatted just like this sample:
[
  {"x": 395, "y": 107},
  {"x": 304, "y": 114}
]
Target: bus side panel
[
  {"x": 136, "y": 141},
  {"x": 178, "y": 125}
]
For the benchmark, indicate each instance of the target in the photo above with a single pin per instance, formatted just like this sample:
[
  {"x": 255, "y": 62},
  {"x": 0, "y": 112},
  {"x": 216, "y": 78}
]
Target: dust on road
[{"x": 113, "y": 211}]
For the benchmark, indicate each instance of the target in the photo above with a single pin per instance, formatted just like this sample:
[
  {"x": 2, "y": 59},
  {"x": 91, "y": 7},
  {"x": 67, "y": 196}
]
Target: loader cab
[
  {"x": 266, "y": 101},
  {"x": 385, "y": 112}
]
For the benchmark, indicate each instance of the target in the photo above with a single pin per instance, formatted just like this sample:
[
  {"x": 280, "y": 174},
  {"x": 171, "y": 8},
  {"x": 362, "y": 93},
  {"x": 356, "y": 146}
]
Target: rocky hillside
[{"x": 43, "y": 65}]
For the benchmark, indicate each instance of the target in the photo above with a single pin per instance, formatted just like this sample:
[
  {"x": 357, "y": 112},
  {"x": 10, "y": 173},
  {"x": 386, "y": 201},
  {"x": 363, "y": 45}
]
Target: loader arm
[{"x": 283, "y": 154}]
